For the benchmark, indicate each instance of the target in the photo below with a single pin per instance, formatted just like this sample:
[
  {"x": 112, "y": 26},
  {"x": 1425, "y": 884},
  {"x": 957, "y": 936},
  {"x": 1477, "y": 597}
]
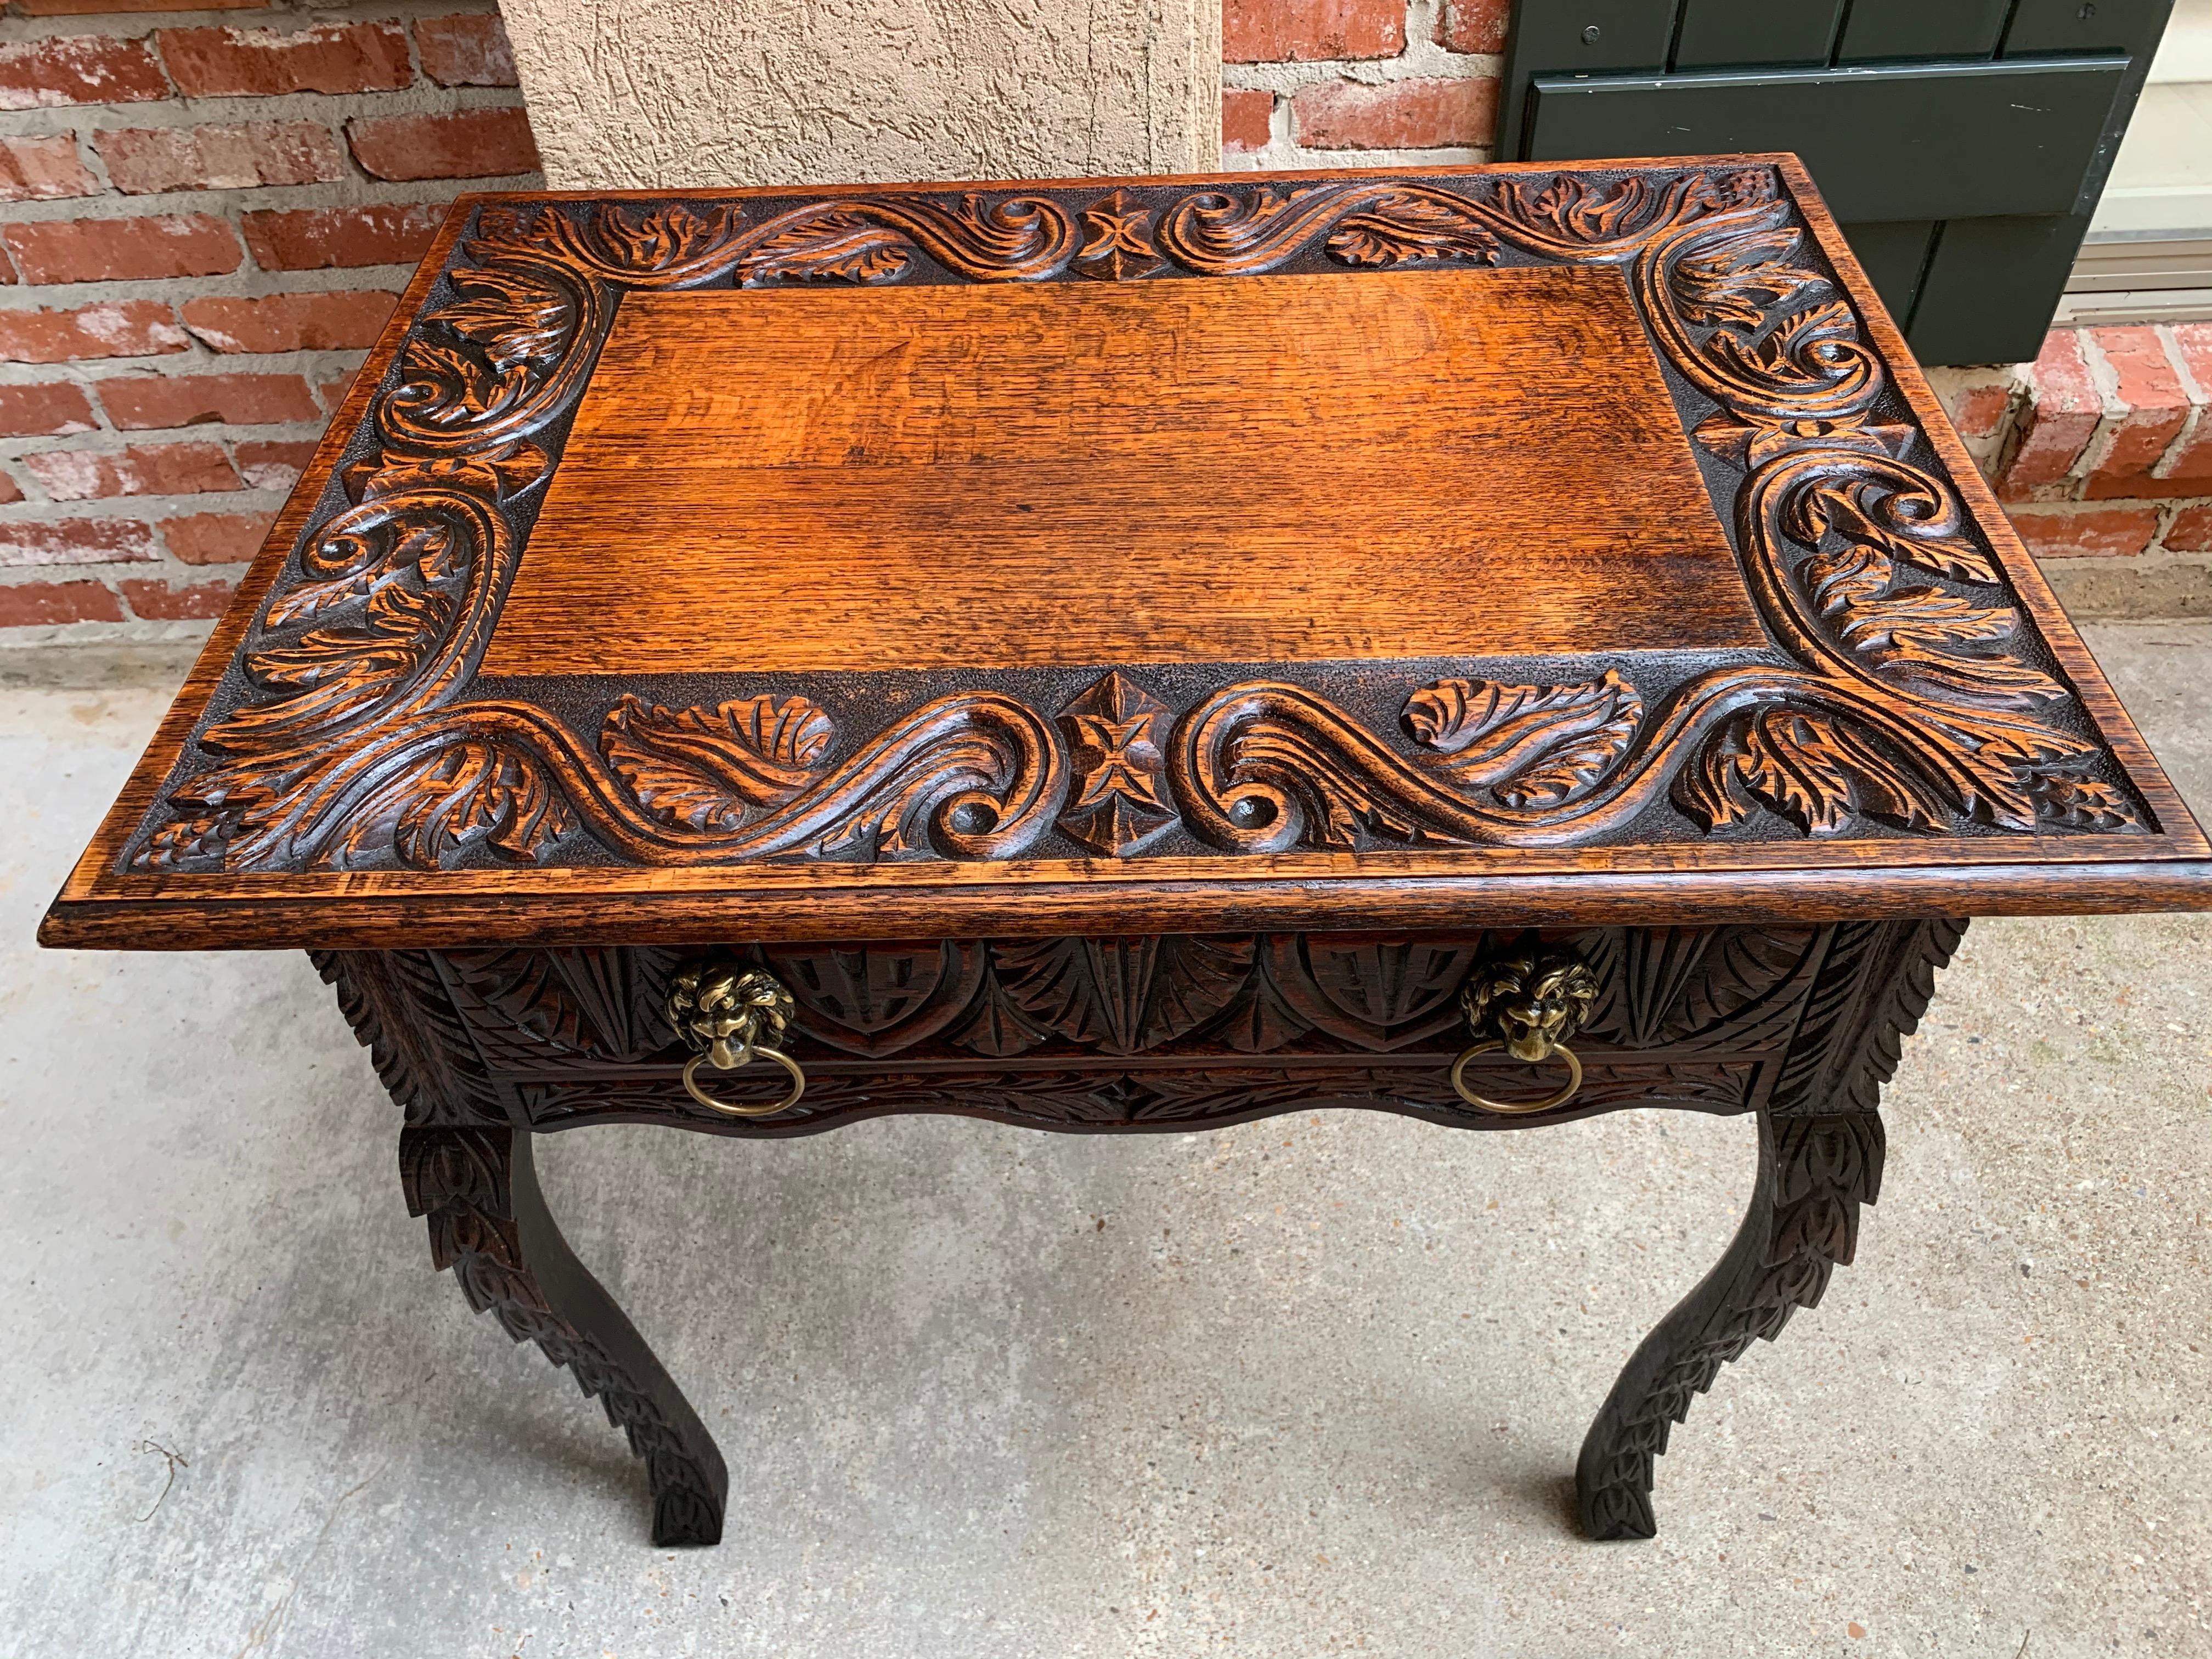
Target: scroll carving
[{"x": 1905, "y": 692}]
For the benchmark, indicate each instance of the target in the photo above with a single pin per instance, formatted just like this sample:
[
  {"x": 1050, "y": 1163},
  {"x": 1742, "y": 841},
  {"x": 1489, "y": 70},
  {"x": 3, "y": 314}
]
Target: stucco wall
[{"x": 736, "y": 92}]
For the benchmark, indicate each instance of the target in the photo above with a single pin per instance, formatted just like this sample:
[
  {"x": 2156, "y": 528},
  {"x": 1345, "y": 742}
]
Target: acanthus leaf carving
[
  {"x": 464, "y": 795},
  {"x": 1811, "y": 768},
  {"x": 718, "y": 768},
  {"x": 1528, "y": 745},
  {"x": 830, "y": 248},
  {"x": 1406, "y": 228}
]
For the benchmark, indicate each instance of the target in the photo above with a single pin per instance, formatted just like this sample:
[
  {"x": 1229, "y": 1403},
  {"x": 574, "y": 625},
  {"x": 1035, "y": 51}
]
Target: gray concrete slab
[{"x": 1309, "y": 1386}]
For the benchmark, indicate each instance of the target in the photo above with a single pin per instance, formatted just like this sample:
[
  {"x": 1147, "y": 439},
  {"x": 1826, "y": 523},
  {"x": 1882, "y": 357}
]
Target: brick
[
  {"x": 1310, "y": 31},
  {"x": 78, "y": 69},
  {"x": 2142, "y": 487},
  {"x": 2063, "y": 409},
  {"x": 2147, "y": 408},
  {"x": 26, "y": 605},
  {"x": 273, "y": 465},
  {"x": 82, "y": 475},
  {"x": 142, "y": 160},
  {"x": 44, "y": 169},
  {"x": 468, "y": 50},
  {"x": 43, "y": 410},
  {"x": 2191, "y": 458},
  {"x": 76, "y": 541},
  {"x": 141, "y": 403},
  {"x": 216, "y": 538},
  {"x": 158, "y": 602},
  {"x": 1473, "y": 25},
  {"x": 1426, "y": 113},
  {"x": 82, "y": 8},
  {"x": 10, "y": 491},
  {"x": 127, "y": 328},
  {"x": 2191, "y": 530},
  {"x": 317, "y": 238},
  {"x": 333, "y": 392},
  {"x": 2103, "y": 532},
  {"x": 1981, "y": 410},
  {"x": 154, "y": 244},
  {"x": 229, "y": 62},
  {"x": 469, "y": 143},
  {"x": 1244, "y": 119},
  {"x": 290, "y": 322}
]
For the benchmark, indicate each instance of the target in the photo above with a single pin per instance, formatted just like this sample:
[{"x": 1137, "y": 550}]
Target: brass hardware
[
  {"x": 725, "y": 1012},
  {"x": 1528, "y": 1004}
]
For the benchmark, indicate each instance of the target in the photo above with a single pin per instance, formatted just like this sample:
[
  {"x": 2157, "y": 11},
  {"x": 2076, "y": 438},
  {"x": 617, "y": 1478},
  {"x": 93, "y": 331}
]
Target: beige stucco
[{"x": 640, "y": 93}]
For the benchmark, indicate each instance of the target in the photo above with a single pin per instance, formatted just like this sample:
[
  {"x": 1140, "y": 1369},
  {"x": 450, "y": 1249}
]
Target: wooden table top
[{"x": 1554, "y": 544}]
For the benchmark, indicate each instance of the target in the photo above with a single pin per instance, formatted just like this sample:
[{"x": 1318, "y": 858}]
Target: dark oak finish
[{"x": 1126, "y": 656}]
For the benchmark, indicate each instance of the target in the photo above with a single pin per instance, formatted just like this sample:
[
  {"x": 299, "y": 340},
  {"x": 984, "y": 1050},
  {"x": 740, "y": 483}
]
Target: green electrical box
[{"x": 1962, "y": 143}]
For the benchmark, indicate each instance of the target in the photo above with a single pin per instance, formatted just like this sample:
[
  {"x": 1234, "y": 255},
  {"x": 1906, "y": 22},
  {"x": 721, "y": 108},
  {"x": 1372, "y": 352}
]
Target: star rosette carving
[
  {"x": 1119, "y": 243},
  {"x": 1120, "y": 799}
]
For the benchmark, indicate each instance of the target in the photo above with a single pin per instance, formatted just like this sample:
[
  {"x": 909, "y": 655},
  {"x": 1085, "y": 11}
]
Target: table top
[{"x": 1423, "y": 548}]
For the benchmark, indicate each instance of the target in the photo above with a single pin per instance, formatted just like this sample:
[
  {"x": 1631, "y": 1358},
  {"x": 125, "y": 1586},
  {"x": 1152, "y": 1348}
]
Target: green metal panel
[
  {"x": 1990, "y": 288},
  {"x": 2086, "y": 26},
  {"x": 1923, "y": 28},
  {"x": 1717, "y": 33},
  {"x": 1578, "y": 37},
  {"x": 1908, "y": 140},
  {"x": 1895, "y": 254},
  {"x": 1967, "y": 231}
]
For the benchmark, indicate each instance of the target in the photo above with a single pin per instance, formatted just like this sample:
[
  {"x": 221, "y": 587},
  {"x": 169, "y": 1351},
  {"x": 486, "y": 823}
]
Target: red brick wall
[
  {"x": 205, "y": 214},
  {"x": 1347, "y": 83},
  {"x": 2102, "y": 448}
]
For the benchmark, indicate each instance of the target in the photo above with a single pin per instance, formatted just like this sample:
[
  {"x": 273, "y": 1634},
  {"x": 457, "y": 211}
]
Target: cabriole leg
[
  {"x": 489, "y": 1225},
  {"x": 1813, "y": 1173}
]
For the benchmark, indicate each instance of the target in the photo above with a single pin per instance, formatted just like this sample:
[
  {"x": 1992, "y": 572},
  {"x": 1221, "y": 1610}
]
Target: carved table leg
[
  {"x": 489, "y": 1225},
  {"x": 1819, "y": 1159},
  {"x": 1813, "y": 1173}
]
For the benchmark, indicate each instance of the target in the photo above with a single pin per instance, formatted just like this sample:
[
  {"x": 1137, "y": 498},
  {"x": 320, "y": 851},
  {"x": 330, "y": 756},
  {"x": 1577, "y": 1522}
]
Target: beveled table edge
[{"x": 832, "y": 909}]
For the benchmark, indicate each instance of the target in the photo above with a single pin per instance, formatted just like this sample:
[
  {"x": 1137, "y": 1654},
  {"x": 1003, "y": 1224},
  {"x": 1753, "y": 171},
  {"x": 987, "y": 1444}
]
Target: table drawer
[{"x": 1155, "y": 1032}]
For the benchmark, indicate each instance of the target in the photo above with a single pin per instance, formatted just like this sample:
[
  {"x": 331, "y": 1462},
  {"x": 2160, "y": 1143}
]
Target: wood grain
[{"x": 1290, "y": 468}]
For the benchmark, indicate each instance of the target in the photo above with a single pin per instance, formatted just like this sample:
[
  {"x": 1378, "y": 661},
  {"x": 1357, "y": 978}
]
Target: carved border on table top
[{"x": 1898, "y": 693}]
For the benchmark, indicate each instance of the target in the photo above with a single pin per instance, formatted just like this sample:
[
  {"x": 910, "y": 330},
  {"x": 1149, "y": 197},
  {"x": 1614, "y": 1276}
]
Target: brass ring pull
[
  {"x": 1528, "y": 1005},
  {"x": 1514, "y": 1108},
  {"x": 731, "y": 1016},
  {"x": 797, "y": 1084}
]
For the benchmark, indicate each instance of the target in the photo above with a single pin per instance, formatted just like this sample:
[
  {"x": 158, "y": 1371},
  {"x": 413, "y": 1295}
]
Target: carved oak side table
[{"x": 1495, "y": 645}]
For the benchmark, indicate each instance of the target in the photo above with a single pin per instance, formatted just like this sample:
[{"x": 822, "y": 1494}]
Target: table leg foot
[
  {"x": 489, "y": 1225},
  {"x": 1815, "y": 1171}
]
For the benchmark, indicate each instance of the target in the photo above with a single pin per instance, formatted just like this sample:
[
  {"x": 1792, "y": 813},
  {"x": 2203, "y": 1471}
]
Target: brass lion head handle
[
  {"x": 733, "y": 1015},
  {"x": 1528, "y": 1004}
]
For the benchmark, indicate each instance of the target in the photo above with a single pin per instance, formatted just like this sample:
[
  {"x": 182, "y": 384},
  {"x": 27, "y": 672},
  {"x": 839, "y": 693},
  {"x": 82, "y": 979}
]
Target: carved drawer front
[{"x": 1150, "y": 1032}]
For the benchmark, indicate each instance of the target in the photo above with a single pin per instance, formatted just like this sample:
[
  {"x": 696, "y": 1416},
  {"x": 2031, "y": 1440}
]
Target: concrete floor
[{"x": 1311, "y": 1386}]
